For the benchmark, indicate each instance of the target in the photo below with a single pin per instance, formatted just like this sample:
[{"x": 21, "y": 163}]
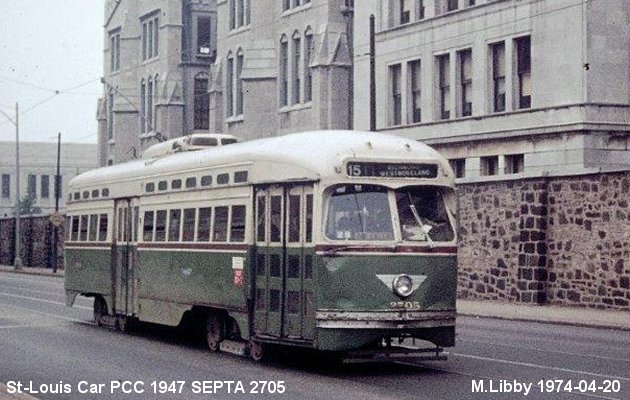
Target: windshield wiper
[{"x": 425, "y": 228}]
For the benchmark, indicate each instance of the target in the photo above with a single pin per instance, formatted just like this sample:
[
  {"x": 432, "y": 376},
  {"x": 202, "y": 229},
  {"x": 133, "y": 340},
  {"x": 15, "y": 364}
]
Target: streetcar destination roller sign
[{"x": 391, "y": 170}]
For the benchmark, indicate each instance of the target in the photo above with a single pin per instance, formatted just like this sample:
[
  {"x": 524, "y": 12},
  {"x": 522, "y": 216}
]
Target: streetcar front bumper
[{"x": 351, "y": 330}]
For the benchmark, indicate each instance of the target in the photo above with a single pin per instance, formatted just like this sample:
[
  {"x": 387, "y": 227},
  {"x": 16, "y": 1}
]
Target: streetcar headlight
[{"x": 403, "y": 285}]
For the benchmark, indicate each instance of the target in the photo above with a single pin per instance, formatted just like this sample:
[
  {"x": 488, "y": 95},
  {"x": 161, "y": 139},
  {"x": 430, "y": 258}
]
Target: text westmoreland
[{"x": 501, "y": 386}]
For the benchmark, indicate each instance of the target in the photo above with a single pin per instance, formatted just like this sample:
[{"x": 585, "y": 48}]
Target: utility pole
[
  {"x": 18, "y": 258},
  {"x": 57, "y": 195},
  {"x": 372, "y": 74}
]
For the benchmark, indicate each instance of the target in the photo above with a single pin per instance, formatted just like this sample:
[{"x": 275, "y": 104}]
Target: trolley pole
[
  {"x": 372, "y": 75},
  {"x": 18, "y": 258}
]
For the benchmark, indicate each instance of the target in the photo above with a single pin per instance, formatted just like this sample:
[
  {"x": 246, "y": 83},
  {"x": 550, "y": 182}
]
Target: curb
[
  {"x": 548, "y": 321},
  {"x": 25, "y": 271}
]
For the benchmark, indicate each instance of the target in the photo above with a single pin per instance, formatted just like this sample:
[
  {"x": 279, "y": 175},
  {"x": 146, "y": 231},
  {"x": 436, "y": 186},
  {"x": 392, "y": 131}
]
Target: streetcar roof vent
[{"x": 197, "y": 141}]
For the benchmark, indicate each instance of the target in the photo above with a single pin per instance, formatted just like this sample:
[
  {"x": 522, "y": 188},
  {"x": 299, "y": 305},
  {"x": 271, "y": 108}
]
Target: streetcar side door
[
  {"x": 125, "y": 256},
  {"x": 283, "y": 268}
]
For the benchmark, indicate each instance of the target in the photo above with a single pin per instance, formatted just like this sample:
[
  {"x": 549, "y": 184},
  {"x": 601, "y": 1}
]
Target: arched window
[
  {"x": 149, "y": 115},
  {"x": 143, "y": 106},
  {"x": 296, "y": 65},
  {"x": 239, "y": 81},
  {"x": 156, "y": 88},
  {"x": 110, "y": 114},
  {"x": 229, "y": 85},
  {"x": 201, "y": 102},
  {"x": 308, "y": 58},
  {"x": 283, "y": 71}
]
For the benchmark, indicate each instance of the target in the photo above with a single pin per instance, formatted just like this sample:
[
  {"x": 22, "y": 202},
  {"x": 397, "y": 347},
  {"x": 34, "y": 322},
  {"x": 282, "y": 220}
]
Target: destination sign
[{"x": 391, "y": 170}]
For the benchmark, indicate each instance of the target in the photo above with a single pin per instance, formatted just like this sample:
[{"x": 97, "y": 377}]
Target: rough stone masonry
[{"x": 558, "y": 240}]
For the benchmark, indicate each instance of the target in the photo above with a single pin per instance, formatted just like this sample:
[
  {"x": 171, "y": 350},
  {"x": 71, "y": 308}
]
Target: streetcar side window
[
  {"x": 188, "y": 234},
  {"x": 261, "y": 221},
  {"x": 206, "y": 180},
  {"x": 223, "y": 179},
  {"x": 203, "y": 229},
  {"x": 84, "y": 228},
  {"x": 102, "y": 228},
  {"x": 219, "y": 234},
  {"x": 75, "y": 228},
  {"x": 309, "y": 218},
  {"x": 191, "y": 182},
  {"x": 162, "y": 185},
  {"x": 237, "y": 226},
  {"x": 176, "y": 184},
  {"x": 147, "y": 235},
  {"x": 93, "y": 227},
  {"x": 294, "y": 218},
  {"x": 160, "y": 226},
  {"x": 175, "y": 221},
  {"x": 68, "y": 227},
  {"x": 276, "y": 218}
]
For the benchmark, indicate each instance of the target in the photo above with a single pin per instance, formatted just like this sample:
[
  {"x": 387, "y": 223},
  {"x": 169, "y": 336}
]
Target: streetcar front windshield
[
  {"x": 363, "y": 213},
  {"x": 359, "y": 212},
  {"x": 423, "y": 215}
]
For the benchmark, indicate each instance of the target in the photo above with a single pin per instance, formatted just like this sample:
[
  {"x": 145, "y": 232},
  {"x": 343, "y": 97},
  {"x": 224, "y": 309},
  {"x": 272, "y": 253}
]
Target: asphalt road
[{"x": 54, "y": 348}]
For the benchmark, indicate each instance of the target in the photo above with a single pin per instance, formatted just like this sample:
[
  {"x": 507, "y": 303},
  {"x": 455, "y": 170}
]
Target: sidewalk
[
  {"x": 552, "y": 314},
  {"x": 31, "y": 271}
]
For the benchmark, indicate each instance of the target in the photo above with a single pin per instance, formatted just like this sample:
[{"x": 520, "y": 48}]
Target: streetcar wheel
[
  {"x": 100, "y": 310},
  {"x": 257, "y": 351},
  {"x": 214, "y": 332}
]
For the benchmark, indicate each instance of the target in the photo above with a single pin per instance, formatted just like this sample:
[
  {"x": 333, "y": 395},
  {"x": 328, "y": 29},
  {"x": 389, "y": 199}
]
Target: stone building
[
  {"x": 282, "y": 66},
  {"x": 506, "y": 89},
  {"x": 38, "y": 168},
  {"x": 157, "y": 55}
]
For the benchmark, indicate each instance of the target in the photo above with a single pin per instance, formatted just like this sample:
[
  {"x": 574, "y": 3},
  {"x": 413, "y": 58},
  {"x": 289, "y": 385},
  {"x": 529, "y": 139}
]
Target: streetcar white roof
[{"x": 317, "y": 155}]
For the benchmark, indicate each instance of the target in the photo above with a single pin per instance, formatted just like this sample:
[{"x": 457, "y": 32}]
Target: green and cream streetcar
[{"x": 335, "y": 241}]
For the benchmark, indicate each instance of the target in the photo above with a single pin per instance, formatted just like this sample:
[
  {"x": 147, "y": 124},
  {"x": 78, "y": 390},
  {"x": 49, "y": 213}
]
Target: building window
[
  {"x": 201, "y": 103},
  {"x": 295, "y": 69},
  {"x": 44, "y": 188},
  {"x": 143, "y": 106},
  {"x": 514, "y": 163},
  {"x": 405, "y": 11},
  {"x": 32, "y": 186},
  {"x": 459, "y": 167},
  {"x": 444, "y": 85},
  {"x": 110, "y": 115},
  {"x": 415, "y": 114},
  {"x": 498, "y": 76},
  {"x": 204, "y": 36},
  {"x": 229, "y": 84},
  {"x": 150, "y": 37},
  {"x": 419, "y": 9},
  {"x": 489, "y": 165},
  {"x": 396, "y": 94},
  {"x": 524, "y": 71},
  {"x": 284, "y": 69},
  {"x": 150, "y": 105},
  {"x": 472, "y": 3},
  {"x": 114, "y": 51},
  {"x": 6, "y": 186},
  {"x": 308, "y": 76},
  {"x": 465, "y": 77},
  {"x": 451, "y": 5},
  {"x": 239, "y": 13},
  {"x": 239, "y": 82}
]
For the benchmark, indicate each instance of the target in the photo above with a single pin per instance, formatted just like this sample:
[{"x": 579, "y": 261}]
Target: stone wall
[
  {"x": 558, "y": 240},
  {"x": 37, "y": 242}
]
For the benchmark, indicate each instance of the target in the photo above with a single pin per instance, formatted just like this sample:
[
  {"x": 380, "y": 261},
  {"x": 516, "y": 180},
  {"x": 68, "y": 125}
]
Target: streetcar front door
[
  {"x": 125, "y": 256},
  {"x": 284, "y": 262}
]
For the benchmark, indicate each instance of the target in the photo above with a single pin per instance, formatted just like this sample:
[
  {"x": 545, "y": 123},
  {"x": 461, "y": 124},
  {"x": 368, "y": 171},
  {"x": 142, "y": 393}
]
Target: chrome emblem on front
[{"x": 387, "y": 280}]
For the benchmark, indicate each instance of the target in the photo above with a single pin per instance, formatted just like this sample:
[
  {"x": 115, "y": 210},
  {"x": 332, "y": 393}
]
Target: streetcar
[{"x": 341, "y": 242}]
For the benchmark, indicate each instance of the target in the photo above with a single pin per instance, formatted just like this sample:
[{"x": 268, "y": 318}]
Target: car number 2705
[{"x": 407, "y": 305}]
